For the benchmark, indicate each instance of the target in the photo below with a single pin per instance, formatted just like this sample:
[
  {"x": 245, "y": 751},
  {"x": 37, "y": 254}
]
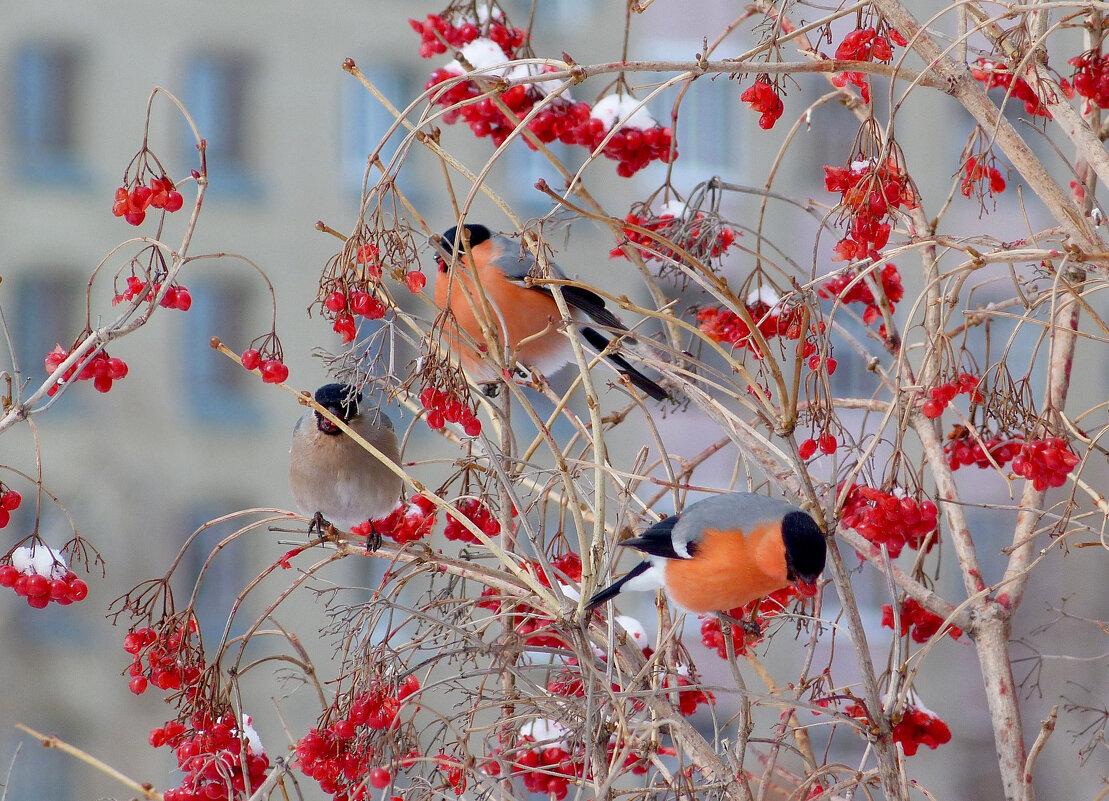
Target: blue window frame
[
  {"x": 48, "y": 310},
  {"x": 216, "y": 390},
  {"x": 217, "y": 95},
  {"x": 44, "y": 126}
]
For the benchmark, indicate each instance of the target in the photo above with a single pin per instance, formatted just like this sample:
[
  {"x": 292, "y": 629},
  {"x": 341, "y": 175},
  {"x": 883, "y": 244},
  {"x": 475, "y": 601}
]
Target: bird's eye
[{"x": 442, "y": 264}]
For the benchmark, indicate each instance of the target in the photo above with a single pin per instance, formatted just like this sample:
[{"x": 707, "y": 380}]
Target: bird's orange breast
[
  {"x": 515, "y": 314},
  {"x": 729, "y": 569}
]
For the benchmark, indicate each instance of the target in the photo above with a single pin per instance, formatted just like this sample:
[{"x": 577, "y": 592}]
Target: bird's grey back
[
  {"x": 517, "y": 261},
  {"x": 742, "y": 510}
]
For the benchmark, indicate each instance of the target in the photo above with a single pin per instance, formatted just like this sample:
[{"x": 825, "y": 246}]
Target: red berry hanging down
[
  {"x": 702, "y": 237},
  {"x": 1046, "y": 463},
  {"x": 918, "y": 622},
  {"x": 865, "y": 44},
  {"x": 40, "y": 574},
  {"x": 1091, "y": 77},
  {"x": 132, "y": 201},
  {"x": 763, "y": 97},
  {"x": 890, "y": 518},
  {"x": 995, "y": 75},
  {"x": 101, "y": 369}
]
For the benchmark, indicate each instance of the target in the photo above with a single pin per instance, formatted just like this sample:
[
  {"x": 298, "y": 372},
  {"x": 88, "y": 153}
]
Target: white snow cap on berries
[
  {"x": 621, "y": 108},
  {"x": 546, "y": 731},
  {"x": 487, "y": 11},
  {"x": 484, "y": 55},
  {"x": 251, "y": 736},
  {"x": 636, "y": 630},
  {"x": 766, "y": 294},
  {"x": 675, "y": 208},
  {"x": 44, "y": 560},
  {"x": 543, "y": 87}
]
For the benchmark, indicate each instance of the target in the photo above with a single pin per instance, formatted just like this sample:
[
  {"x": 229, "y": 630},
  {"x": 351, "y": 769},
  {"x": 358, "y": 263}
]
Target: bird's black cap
[
  {"x": 478, "y": 234},
  {"x": 805, "y": 547},
  {"x": 340, "y": 399}
]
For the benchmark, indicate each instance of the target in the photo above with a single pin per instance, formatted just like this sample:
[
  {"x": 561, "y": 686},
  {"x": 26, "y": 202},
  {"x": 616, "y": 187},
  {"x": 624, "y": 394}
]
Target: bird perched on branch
[
  {"x": 525, "y": 318},
  {"x": 724, "y": 552},
  {"x": 332, "y": 477}
]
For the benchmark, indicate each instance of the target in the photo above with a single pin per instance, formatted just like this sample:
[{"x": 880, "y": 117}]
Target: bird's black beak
[
  {"x": 325, "y": 425},
  {"x": 807, "y": 585}
]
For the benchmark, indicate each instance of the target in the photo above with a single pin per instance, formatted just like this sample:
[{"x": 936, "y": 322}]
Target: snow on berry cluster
[
  {"x": 168, "y": 657},
  {"x": 872, "y": 192},
  {"x": 772, "y": 318},
  {"x": 762, "y": 96},
  {"x": 537, "y": 629},
  {"x": 993, "y": 75},
  {"x": 1045, "y": 462},
  {"x": 445, "y": 406},
  {"x": 981, "y": 178},
  {"x": 940, "y": 396},
  {"x": 639, "y": 140},
  {"x": 917, "y": 726},
  {"x": 38, "y": 573},
  {"x": 477, "y": 513},
  {"x": 962, "y": 449},
  {"x": 339, "y": 756},
  {"x": 918, "y": 622},
  {"x": 409, "y": 522},
  {"x": 712, "y": 635},
  {"x": 9, "y": 501},
  {"x": 176, "y": 297},
  {"x": 1091, "y": 77},
  {"x": 890, "y": 518},
  {"x": 100, "y": 368},
  {"x": 702, "y": 236},
  {"x": 866, "y": 44},
  {"x": 849, "y": 288},
  {"x": 131, "y": 203},
  {"x": 211, "y": 751}
]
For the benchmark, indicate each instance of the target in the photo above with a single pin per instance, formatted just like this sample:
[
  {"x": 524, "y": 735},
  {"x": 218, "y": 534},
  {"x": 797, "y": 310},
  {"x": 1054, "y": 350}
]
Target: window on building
[
  {"x": 225, "y": 577},
  {"x": 523, "y": 167},
  {"x": 43, "y": 113},
  {"x": 364, "y": 121},
  {"x": 217, "y": 94},
  {"x": 48, "y": 310},
  {"x": 216, "y": 390}
]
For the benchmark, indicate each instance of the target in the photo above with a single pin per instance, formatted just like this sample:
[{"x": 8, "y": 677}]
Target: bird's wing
[
  {"x": 516, "y": 262},
  {"x": 734, "y": 510}
]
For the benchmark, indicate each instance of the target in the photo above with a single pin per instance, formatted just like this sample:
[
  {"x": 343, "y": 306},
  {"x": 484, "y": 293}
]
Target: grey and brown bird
[
  {"x": 526, "y": 317},
  {"x": 724, "y": 552},
  {"x": 334, "y": 479}
]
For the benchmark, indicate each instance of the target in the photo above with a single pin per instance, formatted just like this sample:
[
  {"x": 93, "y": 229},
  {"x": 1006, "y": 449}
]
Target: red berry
[
  {"x": 435, "y": 419},
  {"x": 5, "y": 517},
  {"x": 827, "y": 443},
  {"x": 416, "y": 281},
  {"x": 184, "y": 299},
  {"x": 8, "y": 575},
  {"x": 932, "y": 409},
  {"x": 102, "y": 383},
  {"x": 38, "y": 601},
  {"x": 116, "y": 369},
  {"x": 336, "y": 302},
  {"x": 274, "y": 371},
  {"x": 251, "y": 359},
  {"x": 174, "y": 201},
  {"x": 78, "y": 590},
  {"x": 472, "y": 427},
  {"x": 380, "y": 778},
  {"x": 38, "y": 585},
  {"x": 10, "y": 500},
  {"x": 138, "y": 685},
  {"x": 58, "y": 589},
  {"x": 807, "y": 448}
]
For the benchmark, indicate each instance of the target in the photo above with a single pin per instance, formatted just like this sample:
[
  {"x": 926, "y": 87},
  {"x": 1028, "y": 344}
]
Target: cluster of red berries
[
  {"x": 9, "y": 501},
  {"x": 101, "y": 369},
  {"x": 826, "y": 443},
  {"x": 962, "y": 449},
  {"x": 407, "y": 523},
  {"x": 872, "y": 192},
  {"x": 917, "y": 727},
  {"x": 477, "y": 513},
  {"x": 535, "y": 628},
  {"x": 689, "y": 699},
  {"x": 978, "y": 175},
  {"x": 763, "y": 97},
  {"x": 723, "y": 325},
  {"x": 866, "y": 44},
  {"x": 1045, "y": 462},
  {"x": 345, "y": 305},
  {"x": 994, "y": 75},
  {"x": 940, "y": 396},
  {"x": 176, "y": 297},
  {"x": 211, "y": 753},
  {"x": 436, "y": 35},
  {"x": 689, "y": 235},
  {"x": 169, "y": 659},
  {"x": 892, "y": 519},
  {"x": 546, "y": 767},
  {"x": 848, "y": 290},
  {"x": 41, "y": 575},
  {"x": 917, "y": 622},
  {"x": 273, "y": 370},
  {"x": 769, "y": 606},
  {"x": 447, "y": 407},
  {"x": 1091, "y": 77},
  {"x": 338, "y": 757},
  {"x": 131, "y": 204}
]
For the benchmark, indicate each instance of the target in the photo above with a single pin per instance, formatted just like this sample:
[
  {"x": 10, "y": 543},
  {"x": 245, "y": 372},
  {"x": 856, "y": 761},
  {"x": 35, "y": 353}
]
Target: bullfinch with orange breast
[
  {"x": 523, "y": 314},
  {"x": 724, "y": 552},
  {"x": 333, "y": 478}
]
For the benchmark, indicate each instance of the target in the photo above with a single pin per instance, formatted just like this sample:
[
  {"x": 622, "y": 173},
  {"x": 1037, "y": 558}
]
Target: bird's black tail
[
  {"x": 613, "y": 589},
  {"x": 597, "y": 340}
]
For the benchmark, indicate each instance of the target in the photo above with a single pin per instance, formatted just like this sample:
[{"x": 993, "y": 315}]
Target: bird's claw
[
  {"x": 751, "y": 626},
  {"x": 373, "y": 539}
]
